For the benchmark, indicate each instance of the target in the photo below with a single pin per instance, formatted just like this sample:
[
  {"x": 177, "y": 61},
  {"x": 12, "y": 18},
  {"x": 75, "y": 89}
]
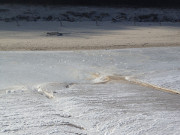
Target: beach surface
[
  {"x": 89, "y": 70},
  {"x": 122, "y": 91},
  {"x": 86, "y": 35}
]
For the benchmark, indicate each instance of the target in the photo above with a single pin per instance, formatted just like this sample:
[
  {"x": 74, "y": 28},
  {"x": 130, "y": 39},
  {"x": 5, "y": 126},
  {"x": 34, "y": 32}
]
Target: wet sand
[{"x": 32, "y": 36}]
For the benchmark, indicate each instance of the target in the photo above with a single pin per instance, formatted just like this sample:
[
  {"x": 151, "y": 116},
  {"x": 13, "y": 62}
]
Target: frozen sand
[
  {"x": 86, "y": 35},
  {"x": 58, "y": 92}
]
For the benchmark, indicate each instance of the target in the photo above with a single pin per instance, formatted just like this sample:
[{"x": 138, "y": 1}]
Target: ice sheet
[
  {"x": 159, "y": 66},
  {"x": 88, "y": 92}
]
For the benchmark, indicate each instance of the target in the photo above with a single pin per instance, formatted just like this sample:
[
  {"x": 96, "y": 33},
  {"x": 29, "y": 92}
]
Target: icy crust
[
  {"x": 156, "y": 66},
  {"x": 169, "y": 80},
  {"x": 111, "y": 109},
  {"x": 90, "y": 92}
]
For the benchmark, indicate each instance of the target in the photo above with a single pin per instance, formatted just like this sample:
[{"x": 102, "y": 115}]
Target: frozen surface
[
  {"x": 110, "y": 109},
  {"x": 63, "y": 92},
  {"x": 159, "y": 66}
]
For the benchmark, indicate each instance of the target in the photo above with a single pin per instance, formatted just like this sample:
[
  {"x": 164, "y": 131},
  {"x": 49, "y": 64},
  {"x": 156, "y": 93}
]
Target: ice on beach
[
  {"x": 89, "y": 92},
  {"x": 159, "y": 66},
  {"x": 115, "y": 108}
]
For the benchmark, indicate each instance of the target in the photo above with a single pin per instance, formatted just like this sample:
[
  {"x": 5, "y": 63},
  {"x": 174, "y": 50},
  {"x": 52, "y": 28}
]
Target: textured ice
[
  {"x": 115, "y": 108},
  {"x": 158, "y": 66},
  {"x": 90, "y": 92}
]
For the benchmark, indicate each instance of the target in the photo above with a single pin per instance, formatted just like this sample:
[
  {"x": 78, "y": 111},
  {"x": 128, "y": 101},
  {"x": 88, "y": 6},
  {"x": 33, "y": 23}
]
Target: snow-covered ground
[{"x": 90, "y": 92}]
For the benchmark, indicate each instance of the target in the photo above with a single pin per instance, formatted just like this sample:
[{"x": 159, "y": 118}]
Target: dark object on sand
[{"x": 54, "y": 34}]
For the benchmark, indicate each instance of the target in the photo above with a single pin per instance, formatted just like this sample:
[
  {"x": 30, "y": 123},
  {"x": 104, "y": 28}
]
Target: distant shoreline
[
  {"x": 86, "y": 28},
  {"x": 104, "y": 3}
]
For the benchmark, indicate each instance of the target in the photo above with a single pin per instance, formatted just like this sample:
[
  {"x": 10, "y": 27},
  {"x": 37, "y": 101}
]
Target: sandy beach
[
  {"x": 87, "y": 28},
  {"x": 86, "y": 35}
]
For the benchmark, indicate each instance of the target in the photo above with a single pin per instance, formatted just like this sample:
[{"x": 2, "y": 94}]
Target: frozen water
[
  {"x": 114, "y": 108},
  {"x": 158, "y": 66},
  {"x": 88, "y": 92}
]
